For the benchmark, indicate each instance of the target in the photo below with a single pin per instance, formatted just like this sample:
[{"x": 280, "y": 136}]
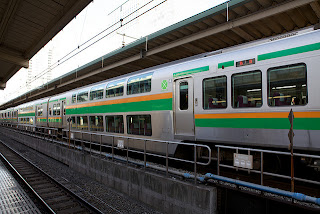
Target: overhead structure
[
  {"x": 229, "y": 24},
  {"x": 26, "y": 26}
]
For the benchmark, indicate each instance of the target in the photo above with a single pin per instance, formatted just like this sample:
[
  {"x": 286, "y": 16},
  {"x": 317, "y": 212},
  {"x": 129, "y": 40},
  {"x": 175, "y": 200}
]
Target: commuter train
[{"x": 238, "y": 96}]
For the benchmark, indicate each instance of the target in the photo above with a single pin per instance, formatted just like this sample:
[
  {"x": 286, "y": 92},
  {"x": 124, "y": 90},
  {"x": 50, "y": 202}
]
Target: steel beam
[
  {"x": 259, "y": 15},
  {"x": 7, "y": 17},
  {"x": 11, "y": 57}
]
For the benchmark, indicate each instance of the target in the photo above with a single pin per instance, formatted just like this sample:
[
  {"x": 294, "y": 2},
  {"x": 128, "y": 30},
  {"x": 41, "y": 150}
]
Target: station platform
[{"x": 13, "y": 199}]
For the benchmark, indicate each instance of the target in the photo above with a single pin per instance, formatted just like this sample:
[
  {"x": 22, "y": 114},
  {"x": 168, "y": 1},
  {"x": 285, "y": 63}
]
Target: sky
[{"x": 96, "y": 31}]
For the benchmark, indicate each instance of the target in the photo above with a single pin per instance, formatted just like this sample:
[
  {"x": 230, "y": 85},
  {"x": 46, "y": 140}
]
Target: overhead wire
[{"x": 66, "y": 58}]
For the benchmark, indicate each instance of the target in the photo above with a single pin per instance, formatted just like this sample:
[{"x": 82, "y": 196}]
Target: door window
[{"x": 183, "y": 95}]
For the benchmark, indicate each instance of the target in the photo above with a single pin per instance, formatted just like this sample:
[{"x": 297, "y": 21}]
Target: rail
[
  {"x": 221, "y": 148},
  {"x": 93, "y": 147}
]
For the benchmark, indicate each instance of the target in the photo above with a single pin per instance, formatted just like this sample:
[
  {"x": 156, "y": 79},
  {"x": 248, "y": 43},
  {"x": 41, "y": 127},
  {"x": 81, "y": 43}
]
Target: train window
[
  {"x": 58, "y": 109},
  {"x": 183, "y": 95},
  {"x": 82, "y": 122},
  {"x": 40, "y": 111},
  {"x": 96, "y": 93},
  {"x": 115, "y": 124},
  {"x": 82, "y": 96},
  {"x": 31, "y": 120},
  {"x": 287, "y": 85},
  {"x": 115, "y": 89},
  {"x": 247, "y": 89},
  {"x": 96, "y": 123},
  {"x": 50, "y": 111},
  {"x": 215, "y": 92},
  {"x": 74, "y": 98},
  {"x": 73, "y": 123},
  {"x": 139, "y": 125},
  {"x": 139, "y": 84}
]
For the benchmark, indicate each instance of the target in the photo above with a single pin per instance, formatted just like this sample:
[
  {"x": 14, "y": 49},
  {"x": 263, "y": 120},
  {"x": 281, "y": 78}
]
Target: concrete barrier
[{"x": 167, "y": 195}]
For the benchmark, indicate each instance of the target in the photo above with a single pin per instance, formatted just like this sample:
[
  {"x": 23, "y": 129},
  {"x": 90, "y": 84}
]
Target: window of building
[
  {"x": 183, "y": 95},
  {"x": 115, "y": 124},
  {"x": 96, "y": 93},
  {"x": 215, "y": 93},
  {"x": 115, "y": 89},
  {"x": 139, "y": 125},
  {"x": 247, "y": 89},
  {"x": 287, "y": 85},
  {"x": 96, "y": 123},
  {"x": 74, "y": 98},
  {"x": 82, "y": 96},
  {"x": 139, "y": 84},
  {"x": 82, "y": 122}
]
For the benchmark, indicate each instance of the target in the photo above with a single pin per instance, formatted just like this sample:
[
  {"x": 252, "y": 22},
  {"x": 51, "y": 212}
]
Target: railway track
[{"x": 54, "y": 197}]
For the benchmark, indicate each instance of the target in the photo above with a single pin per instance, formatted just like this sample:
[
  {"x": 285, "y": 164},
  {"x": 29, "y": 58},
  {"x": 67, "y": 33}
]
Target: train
[{"x": 240, "y": 96}]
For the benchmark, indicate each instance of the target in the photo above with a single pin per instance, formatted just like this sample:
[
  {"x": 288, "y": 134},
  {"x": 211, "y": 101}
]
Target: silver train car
[{"x": 240, "y": 96}]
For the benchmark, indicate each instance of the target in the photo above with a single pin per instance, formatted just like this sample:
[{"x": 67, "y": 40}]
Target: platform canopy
[
  {"x": 26, "y": 26},
  {"x": 229, "y": 24}
]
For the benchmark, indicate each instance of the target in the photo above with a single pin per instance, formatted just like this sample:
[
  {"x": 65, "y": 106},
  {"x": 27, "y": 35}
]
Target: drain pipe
[{"x": 294, "y": 195}]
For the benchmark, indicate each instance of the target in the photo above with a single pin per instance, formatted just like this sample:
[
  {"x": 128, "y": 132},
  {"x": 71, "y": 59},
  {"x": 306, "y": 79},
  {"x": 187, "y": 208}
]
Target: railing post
[
  {"x": 74, "y": 141},
  {"x": 100, "y": 146},
  {"x": 195, "y": 163},
  {"x": 261, "y": 166},
  {"x": 82, "y": 143},
  {"x": 237, "y": 151},
  {"x": 90, "y": 142},
  {"x": 167, "y": 159},
  {"x": 145, "y": 154},
  {"x": 127, "y": 151},
  {"x": 252, "y": 161},
  {"x": 112, "y": 148},
  {"x": 218, "y": 161}
]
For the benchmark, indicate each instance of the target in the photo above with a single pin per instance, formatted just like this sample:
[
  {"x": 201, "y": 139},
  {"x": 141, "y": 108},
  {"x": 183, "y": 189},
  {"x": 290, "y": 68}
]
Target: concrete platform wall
[{"x": 164, "y": 194}]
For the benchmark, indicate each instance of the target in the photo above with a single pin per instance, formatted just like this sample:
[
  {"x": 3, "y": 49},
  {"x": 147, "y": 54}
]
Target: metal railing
[
  {"x": 93, "y": 147},
  {"x": 261, "y": 171},
  {"x": 129, "y": 149}
]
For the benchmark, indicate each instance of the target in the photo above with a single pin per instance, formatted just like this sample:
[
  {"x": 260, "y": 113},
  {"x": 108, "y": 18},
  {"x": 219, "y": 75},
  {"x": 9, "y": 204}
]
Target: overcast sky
[{"x": 96, "y": 17}]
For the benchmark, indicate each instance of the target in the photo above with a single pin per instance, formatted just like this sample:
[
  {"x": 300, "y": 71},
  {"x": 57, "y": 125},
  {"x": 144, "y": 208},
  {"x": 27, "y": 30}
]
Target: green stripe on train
[
  {"x": 27, "y": 115},
  {"x": 41, "y": 120},
  {"x": 291, "y": 51},
  {"x": 226, "y": 64},
  {"x": 260, "y": 123},
  {"x": 151, "y": 105},
  {"x": 191, "y": 71},
  {"x": 55, "y": 120}
]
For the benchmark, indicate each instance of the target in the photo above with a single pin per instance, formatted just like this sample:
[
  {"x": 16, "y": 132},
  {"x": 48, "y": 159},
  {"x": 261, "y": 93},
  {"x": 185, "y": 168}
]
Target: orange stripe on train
[
  {"x": 125, "y": 100},
  {"x": 315, "y": 114}
]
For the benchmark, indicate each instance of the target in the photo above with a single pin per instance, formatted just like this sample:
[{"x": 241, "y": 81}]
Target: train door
[
  {"x": 63, "y": 113},
  {"x": 184, "y": 109}
]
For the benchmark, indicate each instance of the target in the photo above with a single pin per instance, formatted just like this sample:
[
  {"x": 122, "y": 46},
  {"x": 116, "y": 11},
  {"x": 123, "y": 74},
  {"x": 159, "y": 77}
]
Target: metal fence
[
  {"x": 96, "y": 148},
  {"x": 262, "y": 172}
]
